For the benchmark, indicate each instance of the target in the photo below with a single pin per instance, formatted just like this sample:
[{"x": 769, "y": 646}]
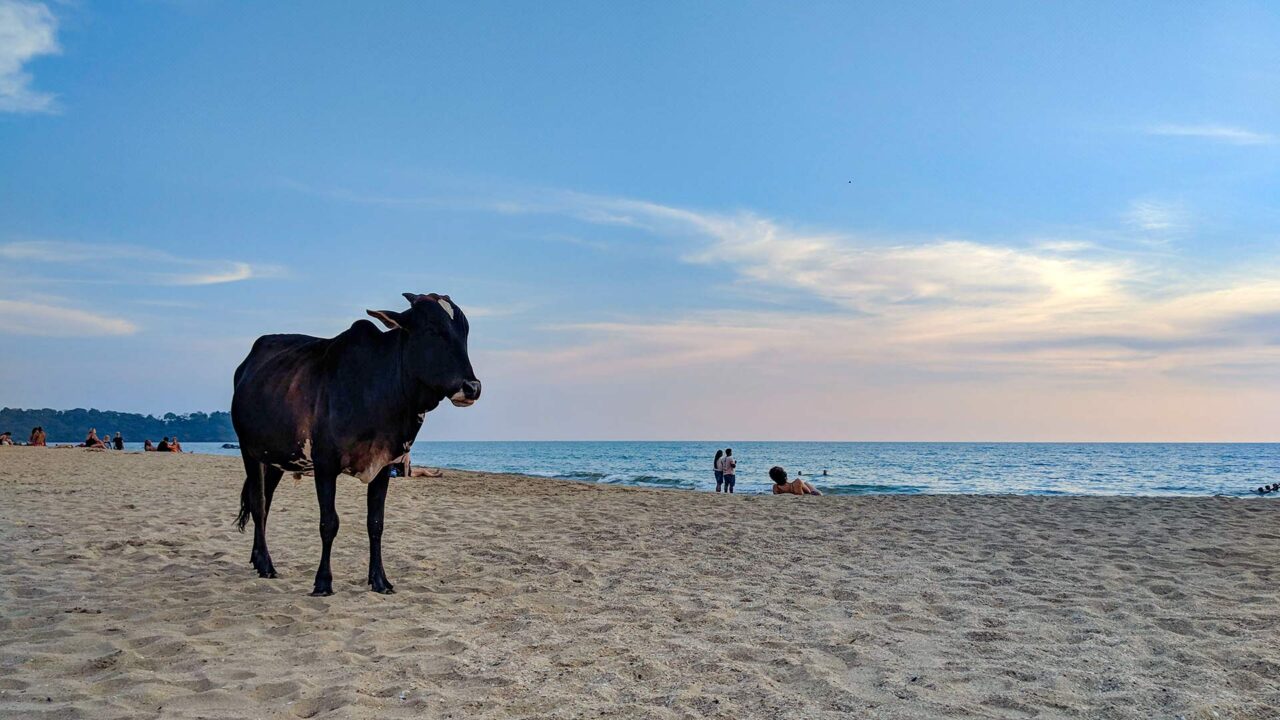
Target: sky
[{"x": 872, "y": 221}]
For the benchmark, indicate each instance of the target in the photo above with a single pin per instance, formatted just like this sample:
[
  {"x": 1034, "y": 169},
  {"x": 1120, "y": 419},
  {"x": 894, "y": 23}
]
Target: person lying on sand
[
  {"x": 148, "y": 446},
  {"x": 795, "y": 487},
  {"x": 403, "y": 467},
  {"x": 6, "y": 438}
]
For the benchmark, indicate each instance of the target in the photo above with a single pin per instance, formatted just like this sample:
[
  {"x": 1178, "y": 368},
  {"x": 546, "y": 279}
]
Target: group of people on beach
[
  {"x": 36, "y": 439},
  {"x": 726, "y": 470},
  {"x": 165, "y": 445},
  {"x": 106, "y": 442},
  {"x": 93, "y": 441}
]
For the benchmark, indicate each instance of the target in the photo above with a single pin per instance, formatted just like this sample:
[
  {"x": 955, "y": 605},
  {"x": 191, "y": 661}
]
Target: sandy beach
[{"x": 126, "y": 592}]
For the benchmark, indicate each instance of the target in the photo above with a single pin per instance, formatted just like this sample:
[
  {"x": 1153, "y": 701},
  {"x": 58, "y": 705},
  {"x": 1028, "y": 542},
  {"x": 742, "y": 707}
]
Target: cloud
[
  {"x": 893, "y": 306},
  {"x": 1217, "y": 133},
  {"x": 27, "y": 30},
  {"x": 941, "y": 306},
  {"x": 18, "y": 317},
  {"x": 1155, "y": 217},
  {"x": 82, "y": 262},
  {"x": 231, "y": 272}
]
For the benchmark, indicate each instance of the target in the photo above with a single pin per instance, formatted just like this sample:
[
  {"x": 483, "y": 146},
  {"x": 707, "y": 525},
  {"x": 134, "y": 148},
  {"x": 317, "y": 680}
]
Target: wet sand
[{"x": 126, "y": 592}]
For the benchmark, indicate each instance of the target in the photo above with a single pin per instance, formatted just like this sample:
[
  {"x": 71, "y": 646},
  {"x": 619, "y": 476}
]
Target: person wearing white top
[{"x": 730, "y": 468}]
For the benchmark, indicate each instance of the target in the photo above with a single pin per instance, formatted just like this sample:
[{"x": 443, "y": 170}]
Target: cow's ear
[{"x": 390, "y": 318}]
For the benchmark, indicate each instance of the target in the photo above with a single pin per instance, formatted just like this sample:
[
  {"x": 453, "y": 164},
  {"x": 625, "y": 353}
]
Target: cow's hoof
[
  {"x": 321, "y": 593},
  {"x": 385, "y": 589},
  {"x": 267, "y": 574}
]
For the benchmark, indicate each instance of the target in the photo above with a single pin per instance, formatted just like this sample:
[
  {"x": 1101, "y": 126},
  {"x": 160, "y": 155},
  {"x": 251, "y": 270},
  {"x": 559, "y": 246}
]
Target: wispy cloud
[
  {"x": 129, "y": 264},
  {"x": 1151, "y": 216},
  {"x": 224, "y": 272},
  {"x": 27, "y": 30},
  {"x": 1065, "y": 309},
  {"x": 1062, "y": 308},
  {"x": 1217, "y": 133},
  {"x": 19, "y": 317}
]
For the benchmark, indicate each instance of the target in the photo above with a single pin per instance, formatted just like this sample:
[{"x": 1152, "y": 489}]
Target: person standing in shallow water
[
  {"x": 717, "y": 465},
  {"x": 730, "y": 467}
]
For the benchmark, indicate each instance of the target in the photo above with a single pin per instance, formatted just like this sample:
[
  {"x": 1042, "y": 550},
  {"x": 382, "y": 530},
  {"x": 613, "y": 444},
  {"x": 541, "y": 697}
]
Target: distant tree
[{"x": 72, "y": 425}]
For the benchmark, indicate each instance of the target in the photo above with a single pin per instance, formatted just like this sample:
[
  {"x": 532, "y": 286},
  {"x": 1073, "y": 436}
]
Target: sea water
[{"x": 870, "y": 467}]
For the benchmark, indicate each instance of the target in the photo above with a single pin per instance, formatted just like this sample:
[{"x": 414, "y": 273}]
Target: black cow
[{"x": 349, "y": 404}]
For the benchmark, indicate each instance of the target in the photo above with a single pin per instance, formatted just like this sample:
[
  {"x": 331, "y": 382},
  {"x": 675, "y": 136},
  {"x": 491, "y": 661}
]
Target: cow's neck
[{"x": 413, "y": 401}]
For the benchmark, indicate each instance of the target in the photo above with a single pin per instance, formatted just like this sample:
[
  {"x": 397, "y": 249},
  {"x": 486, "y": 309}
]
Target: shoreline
[
  {"x": 126, "y": 592},
  {"x": 1239, "y": 481}
]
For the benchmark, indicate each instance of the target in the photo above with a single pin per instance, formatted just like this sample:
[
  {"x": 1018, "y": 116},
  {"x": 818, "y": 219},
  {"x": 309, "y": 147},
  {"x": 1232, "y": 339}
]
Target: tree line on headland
[{"x": 64, "y": 426}]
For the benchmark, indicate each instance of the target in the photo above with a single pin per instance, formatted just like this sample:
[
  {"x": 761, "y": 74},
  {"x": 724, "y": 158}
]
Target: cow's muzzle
[{"x": 468, "y": 395}]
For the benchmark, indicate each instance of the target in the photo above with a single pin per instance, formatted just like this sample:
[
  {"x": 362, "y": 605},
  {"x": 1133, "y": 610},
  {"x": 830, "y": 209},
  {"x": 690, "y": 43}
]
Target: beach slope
[{"x": 126, "y": 592}]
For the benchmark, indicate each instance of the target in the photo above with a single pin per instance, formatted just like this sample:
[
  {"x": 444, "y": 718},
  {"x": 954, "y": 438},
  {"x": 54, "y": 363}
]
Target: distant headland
[{"x": 73, "y": 425}]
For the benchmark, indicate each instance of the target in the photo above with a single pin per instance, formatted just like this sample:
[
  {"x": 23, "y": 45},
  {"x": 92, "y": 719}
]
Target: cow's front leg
[
  {"x": 377, "y": 501},
  {"x": 326, "y": 489}
]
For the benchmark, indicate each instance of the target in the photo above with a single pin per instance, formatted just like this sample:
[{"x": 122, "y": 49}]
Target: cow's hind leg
[
  {"x": 270, "y": 479},
  {"x": 377, "y": 501},
  {"x": 253, "y": 505},
  {"x": 326, "y": 489}
]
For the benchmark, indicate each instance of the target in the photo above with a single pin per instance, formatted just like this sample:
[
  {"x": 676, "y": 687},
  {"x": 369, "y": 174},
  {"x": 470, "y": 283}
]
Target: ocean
[{"x": 853, "y": 468}]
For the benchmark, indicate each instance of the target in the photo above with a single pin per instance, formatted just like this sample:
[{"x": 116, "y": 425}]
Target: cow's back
[{"x": 276, "y": 390}]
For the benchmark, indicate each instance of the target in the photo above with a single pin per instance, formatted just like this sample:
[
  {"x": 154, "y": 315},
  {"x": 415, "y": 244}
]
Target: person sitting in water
[
  {"x": 38, "y": 438},
  {"x": 163, "y": 446},
  {"x": 148, "y": 446},
  {"x": 795, "y": 487}
]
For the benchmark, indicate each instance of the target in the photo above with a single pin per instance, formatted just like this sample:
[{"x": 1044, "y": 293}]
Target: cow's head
[{"x": 436, "y": 342}]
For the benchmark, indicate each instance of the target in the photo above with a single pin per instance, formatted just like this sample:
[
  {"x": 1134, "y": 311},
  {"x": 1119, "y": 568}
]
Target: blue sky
[{"x": 990, "y": 221}]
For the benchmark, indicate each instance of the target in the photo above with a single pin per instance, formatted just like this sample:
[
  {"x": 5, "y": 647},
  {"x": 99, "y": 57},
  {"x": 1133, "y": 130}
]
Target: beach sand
[{"x": 126, "y": 592}]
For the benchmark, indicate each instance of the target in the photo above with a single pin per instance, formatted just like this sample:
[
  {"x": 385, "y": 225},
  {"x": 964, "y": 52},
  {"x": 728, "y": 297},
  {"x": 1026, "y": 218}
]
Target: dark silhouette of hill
[{"x": 64, "y": 426}]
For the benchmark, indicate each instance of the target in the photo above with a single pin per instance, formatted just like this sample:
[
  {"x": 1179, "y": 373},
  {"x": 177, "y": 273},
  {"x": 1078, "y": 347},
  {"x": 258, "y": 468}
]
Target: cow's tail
[{"x": 248, "y": 494}]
